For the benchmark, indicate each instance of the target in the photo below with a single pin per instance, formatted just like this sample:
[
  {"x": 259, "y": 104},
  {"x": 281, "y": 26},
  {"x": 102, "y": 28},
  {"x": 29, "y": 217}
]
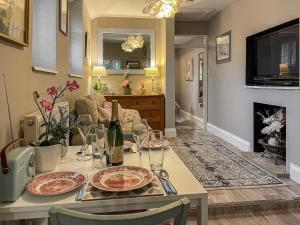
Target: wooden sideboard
[{"x": 150, "y": 107}]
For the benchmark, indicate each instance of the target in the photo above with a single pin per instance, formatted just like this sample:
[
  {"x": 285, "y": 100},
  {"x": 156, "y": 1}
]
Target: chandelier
[
  {"x": 133, "y": 42},
  {"x": 161, "y": 8}
]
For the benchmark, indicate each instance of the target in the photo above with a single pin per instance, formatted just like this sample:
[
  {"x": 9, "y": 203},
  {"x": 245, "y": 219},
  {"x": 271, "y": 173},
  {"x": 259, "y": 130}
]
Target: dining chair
[{"x": 177, "y": 210}]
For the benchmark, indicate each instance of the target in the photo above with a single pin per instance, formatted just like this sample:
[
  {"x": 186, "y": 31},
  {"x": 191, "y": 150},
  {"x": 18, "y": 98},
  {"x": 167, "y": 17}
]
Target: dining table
[{"x": 29, "y": 206}]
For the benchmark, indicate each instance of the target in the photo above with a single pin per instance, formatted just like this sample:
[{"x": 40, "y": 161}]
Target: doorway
[{"x": 191, "y": 81}]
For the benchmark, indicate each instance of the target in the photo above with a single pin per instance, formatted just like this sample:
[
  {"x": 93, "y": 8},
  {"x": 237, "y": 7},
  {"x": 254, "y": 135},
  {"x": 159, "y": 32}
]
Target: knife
[
  {"x": 171, "y": 186},
  {"x": 81, "y": 190},
  {"x": 165, "y": 185}
]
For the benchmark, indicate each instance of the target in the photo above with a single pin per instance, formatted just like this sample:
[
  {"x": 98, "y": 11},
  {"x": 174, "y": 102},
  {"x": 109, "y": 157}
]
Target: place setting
[{"x": 111, "y": 181}]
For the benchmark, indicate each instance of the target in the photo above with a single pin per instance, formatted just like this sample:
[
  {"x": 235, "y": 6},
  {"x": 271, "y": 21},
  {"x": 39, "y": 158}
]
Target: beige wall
[
  {"x": 16, "y": 63},
  {"x": 187, "y": 92},
  {"x": 230, "y": 104}
]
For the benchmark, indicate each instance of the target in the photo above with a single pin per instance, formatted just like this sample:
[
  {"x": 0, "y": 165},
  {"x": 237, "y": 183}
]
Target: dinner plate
[
  {"x": 122, "y": 178},
  {"x": 55, "y": 183},
  {"x": 156, "y": 144},
  {"x": 127, "y": 144}
]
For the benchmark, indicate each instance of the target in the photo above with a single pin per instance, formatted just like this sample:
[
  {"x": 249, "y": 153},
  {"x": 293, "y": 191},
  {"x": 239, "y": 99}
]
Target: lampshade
[
  {"x": 151, "y": 72},
  {"x": 284, "y": 68},
  {"x": 99, "y": 71}
]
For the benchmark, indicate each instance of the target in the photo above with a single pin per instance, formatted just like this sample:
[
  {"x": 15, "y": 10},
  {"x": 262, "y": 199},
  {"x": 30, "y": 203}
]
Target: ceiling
[{"x": 191, "y": 10}]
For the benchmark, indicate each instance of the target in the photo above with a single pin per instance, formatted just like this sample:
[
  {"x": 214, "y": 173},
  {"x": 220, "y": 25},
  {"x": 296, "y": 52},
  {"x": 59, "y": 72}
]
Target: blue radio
[{"x": 18, "y": 168}]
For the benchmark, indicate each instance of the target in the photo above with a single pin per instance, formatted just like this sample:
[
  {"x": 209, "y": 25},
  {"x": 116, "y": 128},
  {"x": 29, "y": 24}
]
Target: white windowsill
[
  {"x": 272, "y": 87},
  {"x": 45, "y": 70},
  {"x": 75, "y": 75}
]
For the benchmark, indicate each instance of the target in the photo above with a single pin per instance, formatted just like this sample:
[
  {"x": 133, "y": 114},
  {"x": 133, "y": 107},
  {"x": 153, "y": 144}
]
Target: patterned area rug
[{"x": 217, "y": 167}]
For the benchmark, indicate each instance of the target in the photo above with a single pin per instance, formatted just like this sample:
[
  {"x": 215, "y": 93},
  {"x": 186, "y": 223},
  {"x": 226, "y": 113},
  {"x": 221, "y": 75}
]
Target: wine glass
[
  {"x": 111, "y": 145},
  {"x": 84, "y": 125},
  {"x": 140, "y": 131},
  {"x": 101, "y": 144}
]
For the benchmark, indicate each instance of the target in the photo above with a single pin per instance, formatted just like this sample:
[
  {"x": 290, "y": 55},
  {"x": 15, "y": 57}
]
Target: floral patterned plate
[
  {"x": 122, "y": 178},
  {"x": 127, "y": 144},
  {"x": 55, "y": 183}
]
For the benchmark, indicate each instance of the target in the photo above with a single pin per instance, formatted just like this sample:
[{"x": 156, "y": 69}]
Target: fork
[{"x": 80, "y": 192}]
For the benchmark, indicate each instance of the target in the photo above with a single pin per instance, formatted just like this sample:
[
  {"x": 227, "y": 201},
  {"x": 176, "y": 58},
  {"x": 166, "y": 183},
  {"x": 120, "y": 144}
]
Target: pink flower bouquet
[{"x": 46, "y": 109}]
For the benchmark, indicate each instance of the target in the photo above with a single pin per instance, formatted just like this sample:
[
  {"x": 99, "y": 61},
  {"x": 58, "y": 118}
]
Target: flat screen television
[{"x": 272, "y": 56}]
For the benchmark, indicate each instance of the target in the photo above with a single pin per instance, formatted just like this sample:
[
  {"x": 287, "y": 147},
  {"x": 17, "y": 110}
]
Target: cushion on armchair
[
  {"x": 106, "y": 109},
  {"x": 131, "y": 115},
  {"x": 88, "y": 105},
  {"x": 100, "y": 110}
]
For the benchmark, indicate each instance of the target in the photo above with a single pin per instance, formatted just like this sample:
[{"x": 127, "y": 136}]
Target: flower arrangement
[
  {"x": 275, "y": 123},
  {"x": 143, "y": 89},
  {"x": 56, "y": 130},
  {"x": 126, "y": 83}
]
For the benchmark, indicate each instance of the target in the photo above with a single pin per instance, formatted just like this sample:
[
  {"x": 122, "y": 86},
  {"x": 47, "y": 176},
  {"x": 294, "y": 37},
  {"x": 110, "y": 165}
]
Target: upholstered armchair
[{"x": 99, "y": 109}]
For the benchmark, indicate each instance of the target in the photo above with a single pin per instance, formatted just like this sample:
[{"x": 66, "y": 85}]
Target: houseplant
[
  {"x": 61, "y": 128},
  {"x": 275, "y": 123},
  {"x": 126, "y": 83},
  {"x": 48, "y": 148}
]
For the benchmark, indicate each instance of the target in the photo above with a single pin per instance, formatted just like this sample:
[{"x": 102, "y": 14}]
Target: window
[
  {"x": 44, "y": 35},
  {"x": 289, "y": 53}
]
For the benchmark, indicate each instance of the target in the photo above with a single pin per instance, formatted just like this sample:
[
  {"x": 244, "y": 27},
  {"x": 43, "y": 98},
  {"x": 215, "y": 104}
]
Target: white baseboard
[
  {"x": 199, "y": 121},
  {"x": 170, "y": 132},
  {"x": 295, "y": 173},
  {"x": 229, "y": 137}
]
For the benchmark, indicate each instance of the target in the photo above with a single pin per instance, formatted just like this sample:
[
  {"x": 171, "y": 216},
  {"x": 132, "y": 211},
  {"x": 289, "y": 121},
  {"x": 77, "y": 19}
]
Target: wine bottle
[{"x": 118, "y": 151}]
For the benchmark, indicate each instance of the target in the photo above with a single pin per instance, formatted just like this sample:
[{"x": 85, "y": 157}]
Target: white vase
[
  {"x": 273, "y": 141},
  {"x": 47, "y": 157}
]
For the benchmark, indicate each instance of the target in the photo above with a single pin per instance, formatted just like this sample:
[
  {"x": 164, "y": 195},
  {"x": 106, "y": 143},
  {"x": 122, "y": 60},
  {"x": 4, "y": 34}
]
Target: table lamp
[
  {"x": 284, "y": 69},
  {"x": 99, "y": 71},
  {"x": 152, "y": 72}
]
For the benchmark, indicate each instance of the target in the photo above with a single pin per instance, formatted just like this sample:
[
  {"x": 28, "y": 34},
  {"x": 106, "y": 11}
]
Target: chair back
[{"x": 178, "y": 210}]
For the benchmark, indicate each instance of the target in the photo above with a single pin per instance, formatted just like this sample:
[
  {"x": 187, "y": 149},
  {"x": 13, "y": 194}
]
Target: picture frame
[
  {"x": 223, "y": 48},
  {"x": 64, "y": 16},
  {"x": 133, "y": 64},
  {"x": 189, "y": 69},
  {"x": 14, "y": 22}
]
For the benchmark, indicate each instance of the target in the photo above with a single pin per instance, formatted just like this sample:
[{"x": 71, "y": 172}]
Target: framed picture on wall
[
  {"x": 63, "y": 16},
  {"x": 133, "y": 64},
  {"x": 223, "y": 48},
  {"x": 189, "y": 69},
  {"x": 14, "y": 21}
]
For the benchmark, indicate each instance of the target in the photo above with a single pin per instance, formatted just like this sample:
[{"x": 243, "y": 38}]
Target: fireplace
[{"x": 266, "y": 110}]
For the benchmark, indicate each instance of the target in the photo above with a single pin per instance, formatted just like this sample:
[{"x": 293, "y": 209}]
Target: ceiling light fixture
[
  {"x": 161, "y": 8},
  {"x": 133, "y": 42}
]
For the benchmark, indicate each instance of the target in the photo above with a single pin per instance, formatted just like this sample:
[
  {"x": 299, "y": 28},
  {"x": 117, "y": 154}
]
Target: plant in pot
[
  {"x": 126, "y": 83},
  {"x": 275, "y": 123},
  {"x": 48, "y": 148},
  {"x": 62, "y": 128}
]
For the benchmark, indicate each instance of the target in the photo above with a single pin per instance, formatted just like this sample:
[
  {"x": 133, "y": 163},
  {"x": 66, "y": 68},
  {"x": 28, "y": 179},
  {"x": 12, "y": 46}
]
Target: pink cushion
[
  {"x": 105, "y": 114},
  {"x": 105, "y": 111}
]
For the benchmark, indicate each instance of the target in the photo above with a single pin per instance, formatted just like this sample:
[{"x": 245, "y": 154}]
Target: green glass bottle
[{"x": 118, "y": 151}]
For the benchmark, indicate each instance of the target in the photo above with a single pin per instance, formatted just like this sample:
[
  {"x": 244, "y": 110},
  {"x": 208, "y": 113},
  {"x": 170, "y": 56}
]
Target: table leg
[{"x": 202, "y": 212}]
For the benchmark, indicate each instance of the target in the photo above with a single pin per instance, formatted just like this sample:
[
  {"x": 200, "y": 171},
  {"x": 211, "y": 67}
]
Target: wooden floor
[
  {"x": 246, "y": 206},
  {"x": 290, "y": 217}
]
